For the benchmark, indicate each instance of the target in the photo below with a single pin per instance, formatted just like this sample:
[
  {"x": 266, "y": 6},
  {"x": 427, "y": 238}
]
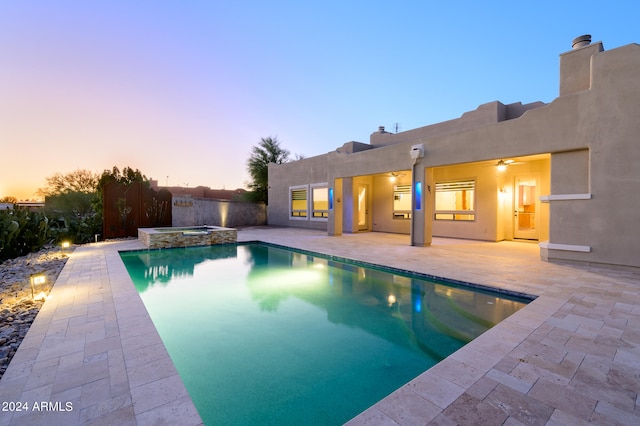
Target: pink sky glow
[{"x": 183, "y": 90}]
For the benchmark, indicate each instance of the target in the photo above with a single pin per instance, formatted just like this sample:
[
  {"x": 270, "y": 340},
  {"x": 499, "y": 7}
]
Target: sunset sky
[{"x": 183, "y": 89}]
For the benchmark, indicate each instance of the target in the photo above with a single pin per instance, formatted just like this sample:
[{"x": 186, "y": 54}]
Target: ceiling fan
[
  {"x": 501, "y": 165},
  {"x": 394, "y": 175}
]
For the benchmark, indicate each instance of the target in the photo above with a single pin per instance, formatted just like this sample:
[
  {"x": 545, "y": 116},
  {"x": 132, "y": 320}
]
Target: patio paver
[{"x": 569, "y": 357}]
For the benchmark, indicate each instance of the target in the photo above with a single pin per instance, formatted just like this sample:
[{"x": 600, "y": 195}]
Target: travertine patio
[{"x": 570, "y": 357}]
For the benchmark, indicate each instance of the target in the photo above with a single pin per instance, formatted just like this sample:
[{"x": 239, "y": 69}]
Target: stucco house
[{"x": 565, "y": 174}]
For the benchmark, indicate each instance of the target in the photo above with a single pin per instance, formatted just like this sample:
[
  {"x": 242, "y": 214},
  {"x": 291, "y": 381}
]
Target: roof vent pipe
[{"x": 581, "y": 41}]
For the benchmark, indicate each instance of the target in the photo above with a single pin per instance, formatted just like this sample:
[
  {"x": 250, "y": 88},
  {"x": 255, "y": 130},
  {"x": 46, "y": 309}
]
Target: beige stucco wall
[
  {"x": 482, "y": 116},
  {"x": 607, "y": 118}
]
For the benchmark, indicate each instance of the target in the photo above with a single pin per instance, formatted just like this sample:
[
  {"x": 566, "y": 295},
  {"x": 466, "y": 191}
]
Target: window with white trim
[
  {"x": 455, "y": 200},
  {"x": 402, "y": 201},
  {"x": 298, "y": 202},
  {"x": 319, "y": 201}
]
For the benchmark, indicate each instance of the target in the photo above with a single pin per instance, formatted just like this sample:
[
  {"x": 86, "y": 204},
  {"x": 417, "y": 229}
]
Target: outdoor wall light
[
  {"x": 418, "y": 195},
  {"x": 38, "y": 286}
]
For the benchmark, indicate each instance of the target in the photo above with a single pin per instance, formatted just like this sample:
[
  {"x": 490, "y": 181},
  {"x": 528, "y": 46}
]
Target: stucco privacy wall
[
  {"x": 191, "y": 211},
  {"x": 590, "y": 133}
]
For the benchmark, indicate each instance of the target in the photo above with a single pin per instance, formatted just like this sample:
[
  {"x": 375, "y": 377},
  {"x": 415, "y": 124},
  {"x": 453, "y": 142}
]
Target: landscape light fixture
[
  {"x": 38, "y": 286},
  {"x": 65, "y": 245}
]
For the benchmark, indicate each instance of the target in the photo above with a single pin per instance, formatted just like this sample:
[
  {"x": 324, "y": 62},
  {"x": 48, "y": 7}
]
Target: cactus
[{"x": 22, "y": 232}]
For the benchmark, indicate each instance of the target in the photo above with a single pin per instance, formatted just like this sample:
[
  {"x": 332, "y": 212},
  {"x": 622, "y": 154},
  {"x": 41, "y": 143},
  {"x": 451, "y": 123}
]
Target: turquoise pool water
[{"x": 265, "y": 335}]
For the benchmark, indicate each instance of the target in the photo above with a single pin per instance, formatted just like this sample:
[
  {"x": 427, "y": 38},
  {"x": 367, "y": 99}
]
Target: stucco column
[
  {"x": 347, "y": 202},
  {"x": 429, "y": 208},
  {"x": 423, "y": 200}
]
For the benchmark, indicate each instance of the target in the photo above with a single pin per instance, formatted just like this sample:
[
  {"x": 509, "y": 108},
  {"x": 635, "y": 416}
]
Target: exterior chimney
[
  {"x": 381, "y": 129},
  {"x": 583, "y": 40},
  {"x": 575, "y": 65}
]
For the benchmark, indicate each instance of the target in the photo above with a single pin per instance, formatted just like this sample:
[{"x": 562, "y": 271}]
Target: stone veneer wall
[{"x": 154, "y": 239}]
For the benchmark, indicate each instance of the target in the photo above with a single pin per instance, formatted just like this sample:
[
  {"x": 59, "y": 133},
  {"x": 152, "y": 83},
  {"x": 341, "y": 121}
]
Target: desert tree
[
  {"x": 70, "y": 192},
  {"x": 267, "y": 151},
  {"x": 83, "y": 181}
]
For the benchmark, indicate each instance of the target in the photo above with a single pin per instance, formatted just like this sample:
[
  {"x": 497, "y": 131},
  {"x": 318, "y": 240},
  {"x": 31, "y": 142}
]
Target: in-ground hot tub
[{"x": 186, "y": 236}]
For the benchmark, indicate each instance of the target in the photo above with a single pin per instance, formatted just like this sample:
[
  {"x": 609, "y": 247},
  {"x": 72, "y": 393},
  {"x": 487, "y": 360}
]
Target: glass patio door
[{"x": 525, "y": 204}]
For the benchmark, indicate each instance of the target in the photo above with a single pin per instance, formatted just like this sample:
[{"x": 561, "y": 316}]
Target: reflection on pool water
[{"x": 265, "y": 335}]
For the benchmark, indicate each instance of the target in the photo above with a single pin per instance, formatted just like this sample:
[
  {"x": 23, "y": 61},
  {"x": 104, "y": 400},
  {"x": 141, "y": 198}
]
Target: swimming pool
[{"x": 266, "y": 335}]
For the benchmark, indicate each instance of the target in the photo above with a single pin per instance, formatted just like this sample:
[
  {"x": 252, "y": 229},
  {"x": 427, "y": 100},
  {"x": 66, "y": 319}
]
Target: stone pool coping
[
  {"x": 154, "y": 238},
  {"x": 571, "y": 356}
]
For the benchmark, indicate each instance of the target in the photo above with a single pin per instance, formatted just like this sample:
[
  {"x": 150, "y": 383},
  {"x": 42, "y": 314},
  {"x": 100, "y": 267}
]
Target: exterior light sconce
[
  {"x": 502, "y": 194},
  {"x": 418, "y": 195},
  {"x": 38, "y": 286}
]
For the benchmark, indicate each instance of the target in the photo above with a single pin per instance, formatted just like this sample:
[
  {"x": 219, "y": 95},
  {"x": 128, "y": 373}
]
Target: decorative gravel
[{"x": 18, "y": 308}]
